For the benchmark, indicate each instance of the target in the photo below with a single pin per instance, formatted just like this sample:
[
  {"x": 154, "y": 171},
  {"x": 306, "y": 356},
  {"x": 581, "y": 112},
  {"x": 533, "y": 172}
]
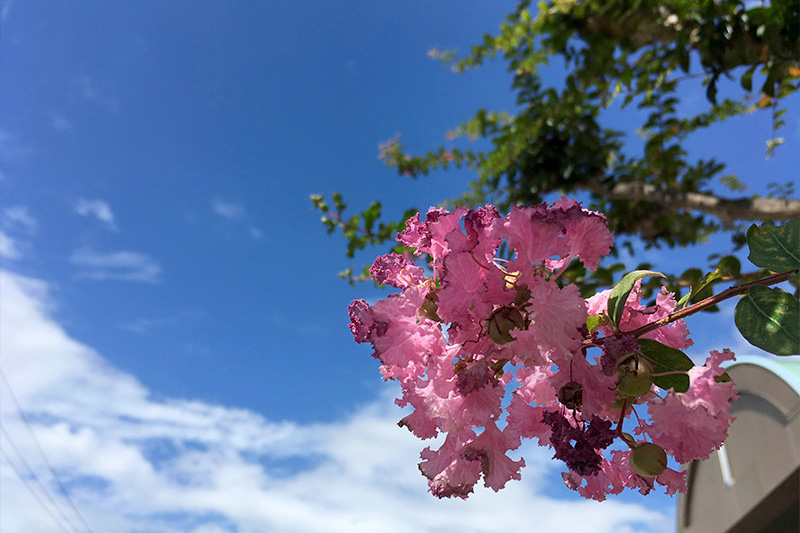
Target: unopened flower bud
[
  {"x": 501, "y": 322},
  {"x": 571, "y": 395},
  {"x": 648, "y": 459}
]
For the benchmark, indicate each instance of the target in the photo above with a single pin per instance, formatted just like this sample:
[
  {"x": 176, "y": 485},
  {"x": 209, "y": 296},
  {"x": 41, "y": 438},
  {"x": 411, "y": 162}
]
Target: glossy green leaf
[
  {"x": 700, "y": 290},
  {"x": 770, "y": 319},
  {"x": 621, "y": 291},
  {"x": 776, "y": 248},
  {"x": 667, "y": 359}
]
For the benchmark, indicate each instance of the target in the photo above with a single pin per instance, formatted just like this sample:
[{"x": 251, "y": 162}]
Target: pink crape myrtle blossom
[
  {"x": 490, "y": 350},
  {"x": 692, "y": 424},
  {"x": 636, "y": 315}
]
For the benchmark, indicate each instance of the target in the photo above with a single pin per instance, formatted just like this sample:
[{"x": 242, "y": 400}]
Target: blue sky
[{"x": 172, "y": 319}]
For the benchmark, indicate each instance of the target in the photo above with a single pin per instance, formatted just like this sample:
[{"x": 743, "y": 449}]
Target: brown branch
[
  {"x": 725, "y": 209},
  {"x": 709, "y": 302}
]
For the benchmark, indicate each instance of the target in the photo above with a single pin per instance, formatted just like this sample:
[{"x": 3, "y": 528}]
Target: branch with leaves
[{"x": 625, "y": 54}]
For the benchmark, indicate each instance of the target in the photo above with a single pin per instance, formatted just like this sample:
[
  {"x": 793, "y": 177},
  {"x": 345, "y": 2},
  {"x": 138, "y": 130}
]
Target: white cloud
[
  {"x": 229, "y": 210},
  {"x": 96, "y": 208},
  {"x": 8, "y": 249},
  {"x": 18, "y": 216},
  {"x": 122, "y": 266},
  {"x": 136, "y": 463}
]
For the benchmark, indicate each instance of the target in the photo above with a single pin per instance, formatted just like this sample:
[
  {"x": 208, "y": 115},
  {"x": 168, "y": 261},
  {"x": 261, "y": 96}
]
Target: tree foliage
[{"x": 627, "y": 53}]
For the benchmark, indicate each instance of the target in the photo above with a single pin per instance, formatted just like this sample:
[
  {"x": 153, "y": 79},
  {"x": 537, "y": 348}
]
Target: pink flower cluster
[{"x": 480, "y": 329}]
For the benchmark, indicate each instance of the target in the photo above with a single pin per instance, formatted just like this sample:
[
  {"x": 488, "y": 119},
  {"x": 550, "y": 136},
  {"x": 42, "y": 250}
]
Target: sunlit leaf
[
  {"x": 770, "y": 319},
  {"x": 621, "y": 291},
  {"x": 776, "y": 248}
]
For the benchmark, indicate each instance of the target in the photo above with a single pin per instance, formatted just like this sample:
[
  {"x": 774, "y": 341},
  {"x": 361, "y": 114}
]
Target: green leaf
[
  {"x": 593, "y": 322},
  {"x": 700, "y": 290},
  {"x": 667, "y": 359},
  {"x": 775, "y": 248},
  {"x": 747, "y": 79},
  {"x": 621, "y": 291},
  {"x": 770, "y": 319},
  {"x": 730, "y": 265}
]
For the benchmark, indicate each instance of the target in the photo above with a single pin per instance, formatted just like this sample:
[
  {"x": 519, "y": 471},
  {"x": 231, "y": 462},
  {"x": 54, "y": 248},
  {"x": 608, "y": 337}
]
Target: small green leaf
[
  {"x": 776, "y": 248},
  {"x": 770, "y": 319},
  {"x": 747, "y": 79},
  {"x": 621, "y": 291},
  {"x": 593, "y": 322},
  {"x": 730, "y": 265},
  {"x": 667, "y": 359},
  {"x": 700, "y": 290}
]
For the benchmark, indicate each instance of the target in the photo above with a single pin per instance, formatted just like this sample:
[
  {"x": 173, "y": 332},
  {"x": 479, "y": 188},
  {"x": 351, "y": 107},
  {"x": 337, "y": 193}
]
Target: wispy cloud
[
  {"x": 11, "y": 147},
  {"x": 148, "y": 325},
  {"x": 229, "y": 210},
  {"x": 122, "y": 266},
  {"x": 236, "y": 212},
  {"x": 5, "y": 9},
  {"x": 89, "y": 91},
  {"x": 60, "y": 123},
  {"x": 135, "y": 463},
  {"x": 145, "y": 326},
  {"x": 19, "y": 217},
  {"x": 98, "y": 209},
  {"x": 8, "y": 249}
]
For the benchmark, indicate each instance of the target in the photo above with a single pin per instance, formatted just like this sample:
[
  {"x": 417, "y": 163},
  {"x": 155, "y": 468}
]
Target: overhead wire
[
  {"x": 33, "y": 492},
  {"x": 60, "y": 485}
]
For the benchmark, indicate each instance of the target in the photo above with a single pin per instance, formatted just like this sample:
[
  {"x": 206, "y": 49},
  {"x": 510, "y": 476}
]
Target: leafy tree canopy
[{"x": 617, "y": 52}]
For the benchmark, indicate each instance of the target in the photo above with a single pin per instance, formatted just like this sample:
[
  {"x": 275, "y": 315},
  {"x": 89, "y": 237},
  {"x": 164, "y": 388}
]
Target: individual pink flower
[
  {"x": 449, "y": 473},
  {"x": 556, "y": 316},
  {"x": 690, "y": 425},
  {"x": 533, "y": 235},
  {"x": 490, "y": 448},
  {"x": 393, "y": 269}
]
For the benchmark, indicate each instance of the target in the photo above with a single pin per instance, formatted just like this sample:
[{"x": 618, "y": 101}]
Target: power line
[
  {"x": 33, "y": 492},
  {"x": 61, "y": 487}
]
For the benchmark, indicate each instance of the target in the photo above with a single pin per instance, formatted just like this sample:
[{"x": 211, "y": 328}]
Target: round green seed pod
[
  {"x": 635, "y": 376},
  {"x": 648, "y": 459}
]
